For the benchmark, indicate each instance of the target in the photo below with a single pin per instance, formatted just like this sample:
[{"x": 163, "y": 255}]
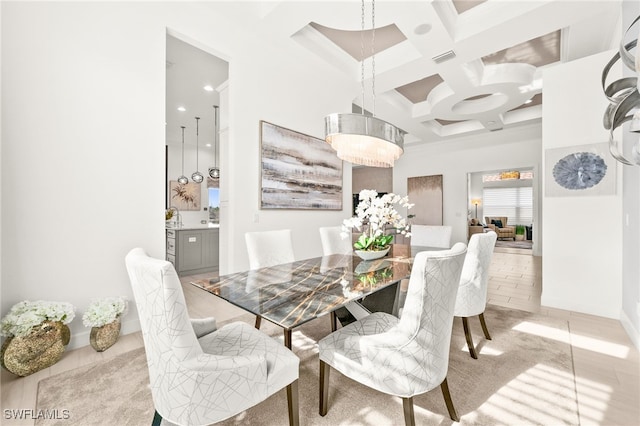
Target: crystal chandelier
[{"x": 362, "y": 139}]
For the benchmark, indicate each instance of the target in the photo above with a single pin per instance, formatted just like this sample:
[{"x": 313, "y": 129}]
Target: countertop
[{"x": 192, "y": 227}]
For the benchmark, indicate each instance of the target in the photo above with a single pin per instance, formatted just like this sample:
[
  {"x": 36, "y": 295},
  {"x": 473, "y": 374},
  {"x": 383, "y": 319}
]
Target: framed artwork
[
  {"x": 426, "y": 193},
  {"x": 298, "y": 171},
  {"x": 185, "y": 197},
  {"x": 580, "y": 170}
]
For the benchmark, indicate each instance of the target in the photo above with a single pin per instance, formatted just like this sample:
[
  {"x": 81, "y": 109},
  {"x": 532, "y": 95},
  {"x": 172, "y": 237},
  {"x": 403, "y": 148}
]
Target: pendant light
[
  {"x": 197, "y": 176},
  {"x": 214, "y": 171},
  {"x": 182, "y": 180},
  {"x": 362, "y": 139}
]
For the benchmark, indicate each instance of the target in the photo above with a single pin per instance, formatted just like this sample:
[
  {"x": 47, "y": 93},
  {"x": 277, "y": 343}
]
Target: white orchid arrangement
[
  {"x": 25, "y": 315},
  {"x": 376, "y": 213},
  {"x": 103, "y": 311}
]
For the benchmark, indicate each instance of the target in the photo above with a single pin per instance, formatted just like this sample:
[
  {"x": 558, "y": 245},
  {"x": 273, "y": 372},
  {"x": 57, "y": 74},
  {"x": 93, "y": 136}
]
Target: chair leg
[
  {"x": 292, "y": 402},
  {"x": 467, "y": 335},
  {"x": 157, "y": 419},
  {"x": 407, "y": 405},
  {"x": 484, "y": 326},
  {"x": 447, "y": 400},
  {"x": 324, "y": 388},
  {"x": 258, "y": 321}
]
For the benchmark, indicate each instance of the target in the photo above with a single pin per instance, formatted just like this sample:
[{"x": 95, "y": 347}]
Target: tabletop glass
[{"x": 294, "y": 293}]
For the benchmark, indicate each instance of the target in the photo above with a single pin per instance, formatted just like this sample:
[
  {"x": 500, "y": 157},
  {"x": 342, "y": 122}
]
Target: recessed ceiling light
[
  {"x": 208, "y": 88},
  {"x": 181, "y": 108},
  {"x": 208, "y": 145},
  {"x": 528, "y": 101}
]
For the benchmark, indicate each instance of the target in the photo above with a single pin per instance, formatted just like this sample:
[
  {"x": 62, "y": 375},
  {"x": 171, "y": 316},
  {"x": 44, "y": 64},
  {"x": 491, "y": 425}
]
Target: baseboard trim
[{"x": 634, "y": 334}]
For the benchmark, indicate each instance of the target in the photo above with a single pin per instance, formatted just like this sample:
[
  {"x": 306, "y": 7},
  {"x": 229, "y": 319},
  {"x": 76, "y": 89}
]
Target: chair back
[
  {"x": 269, "y": 248},
  {"x": 332, "y": 241},
  {"x": 431, "y": 236},
  {"x": 472, "y": 294},
  {"x": 427, "y": 317},
  {"x": 168, "y": 335},
  {"x": 503, "y": 219}
]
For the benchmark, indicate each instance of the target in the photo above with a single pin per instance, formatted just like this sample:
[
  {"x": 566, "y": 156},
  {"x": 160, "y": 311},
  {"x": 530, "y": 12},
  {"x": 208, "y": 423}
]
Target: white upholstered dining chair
[
  {"x": 472, "y": 294},
  {"x": 407, "y": 356},
  {"x": 431, "y": 236},
  {"x": 332, "y": 241},
  {"x": 204, "y": 378},
  {"x": 268, "y": 248}
]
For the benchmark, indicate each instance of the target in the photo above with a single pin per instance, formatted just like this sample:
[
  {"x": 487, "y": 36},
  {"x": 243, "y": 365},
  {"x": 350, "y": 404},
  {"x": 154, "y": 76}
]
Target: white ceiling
[
  {"x": 189, "y": 70},
  {"x": 501, "y": 51}
]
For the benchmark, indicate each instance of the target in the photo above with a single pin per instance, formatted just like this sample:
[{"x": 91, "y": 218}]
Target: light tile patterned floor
[{"x": 606, "y": 363}]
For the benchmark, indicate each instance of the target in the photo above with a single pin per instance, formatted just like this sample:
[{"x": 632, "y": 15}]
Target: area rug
[
  {"x": 523, "y": 376},
  {"x": 527, "y": 244}
]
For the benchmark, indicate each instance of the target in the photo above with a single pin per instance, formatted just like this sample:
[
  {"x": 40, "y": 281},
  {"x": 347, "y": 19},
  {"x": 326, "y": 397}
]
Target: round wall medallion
[{"x": 580, "y": 170}]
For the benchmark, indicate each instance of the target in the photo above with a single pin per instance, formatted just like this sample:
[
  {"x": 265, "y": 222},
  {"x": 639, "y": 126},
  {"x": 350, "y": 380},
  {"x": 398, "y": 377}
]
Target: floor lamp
[{"x": 475, "y": 202}]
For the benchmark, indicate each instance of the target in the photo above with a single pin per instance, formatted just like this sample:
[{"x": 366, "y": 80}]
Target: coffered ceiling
[
  {"x": 443, "y": 68},
  {"x": 447, "y": 68}
]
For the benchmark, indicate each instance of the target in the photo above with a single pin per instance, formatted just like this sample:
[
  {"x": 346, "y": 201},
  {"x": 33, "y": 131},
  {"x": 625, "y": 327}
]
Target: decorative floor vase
[
  {"x": 372, "y": 254},
  {"x": 102, "y": 338},
  {"x": 41, "y": 348}
]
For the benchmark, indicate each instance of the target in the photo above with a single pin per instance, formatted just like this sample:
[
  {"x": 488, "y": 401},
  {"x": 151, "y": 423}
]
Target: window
[
  {"x": 514, "y": 203},
  {"x": 214, "y": 205}
]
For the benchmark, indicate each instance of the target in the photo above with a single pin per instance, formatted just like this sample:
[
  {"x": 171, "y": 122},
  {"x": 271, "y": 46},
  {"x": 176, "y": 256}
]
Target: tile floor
[{"x": 606, "y": 364}]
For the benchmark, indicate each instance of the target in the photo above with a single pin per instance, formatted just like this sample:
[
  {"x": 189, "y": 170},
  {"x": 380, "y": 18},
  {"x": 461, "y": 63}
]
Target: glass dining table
[{"x": 293, "y": 294}]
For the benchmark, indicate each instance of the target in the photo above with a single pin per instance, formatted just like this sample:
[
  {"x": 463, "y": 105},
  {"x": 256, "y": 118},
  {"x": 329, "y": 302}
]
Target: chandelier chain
[
  {"x": 373, "y": 55},
  {"x": 362, "y": 55},
  {"x": 197, "y": 143}
]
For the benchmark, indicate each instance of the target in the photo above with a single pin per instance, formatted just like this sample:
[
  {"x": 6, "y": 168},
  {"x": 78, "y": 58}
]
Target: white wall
[
  {"x": 582, "y": 234},
  {"x": 631, "y": 215},
  {"x": 83, "y": 116},
  {"x": 514, "y": 148}
]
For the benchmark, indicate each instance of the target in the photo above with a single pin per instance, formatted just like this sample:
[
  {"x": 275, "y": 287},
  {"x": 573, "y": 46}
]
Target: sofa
[{"x": 499, "y": 225}]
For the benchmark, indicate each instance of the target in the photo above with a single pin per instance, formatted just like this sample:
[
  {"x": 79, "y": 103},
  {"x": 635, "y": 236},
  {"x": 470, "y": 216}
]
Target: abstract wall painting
[
  {"x": 580, "y": 170},
  {"x": 426, "y": 193},
  {"x": 185, "y": 197},
  {"x": 298, "y": 171}
]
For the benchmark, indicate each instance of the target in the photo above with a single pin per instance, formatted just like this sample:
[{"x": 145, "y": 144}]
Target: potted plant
[
  {"x": 36, "y": 335},
  {"x": 520, "y": 232},
  {"x": 103, "y": 316},
  {"x": 373, "y": 214}
]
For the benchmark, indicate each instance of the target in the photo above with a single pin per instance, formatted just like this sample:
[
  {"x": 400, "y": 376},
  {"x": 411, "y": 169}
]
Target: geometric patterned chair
[
  {"x": 203, "y": 379},
  {"x": 431, "y": 236},
  {"x": 472, "y": 294},
  {"x": 332, "y": 241},
  {"x": 407, "y": 356}
]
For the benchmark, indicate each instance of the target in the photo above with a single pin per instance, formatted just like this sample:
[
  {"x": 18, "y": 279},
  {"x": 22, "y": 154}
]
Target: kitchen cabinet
[{"x": 193, "y": 251}]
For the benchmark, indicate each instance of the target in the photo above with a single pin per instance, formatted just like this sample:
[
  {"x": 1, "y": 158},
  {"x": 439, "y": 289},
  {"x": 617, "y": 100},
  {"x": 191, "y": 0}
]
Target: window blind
[{"x": 514, "y": 203}]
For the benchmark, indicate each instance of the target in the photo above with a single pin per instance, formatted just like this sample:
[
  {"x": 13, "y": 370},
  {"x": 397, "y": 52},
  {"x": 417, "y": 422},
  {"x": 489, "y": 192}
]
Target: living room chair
[
  {"x": 407, "y": 356},
  {"x": 472, "y": 294},
  {"x": 268, "y": 248},
  {"x": 332, "y": 241},
  {"x": 498, "y": 224},
  {"x": 431, "y": 236},
  {"x": 199, "y": 380}
]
